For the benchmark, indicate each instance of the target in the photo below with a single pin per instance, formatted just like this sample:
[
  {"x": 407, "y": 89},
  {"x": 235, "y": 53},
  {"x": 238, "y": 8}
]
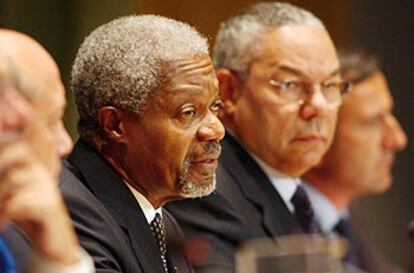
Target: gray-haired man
[
  {"x": 279, "y": 80},
  {"x": 148, "y": 100}
]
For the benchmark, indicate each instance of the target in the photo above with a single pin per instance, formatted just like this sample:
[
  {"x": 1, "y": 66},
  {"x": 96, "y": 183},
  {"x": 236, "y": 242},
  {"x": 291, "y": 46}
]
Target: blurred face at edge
[
  {"x": 367, "y": 138},
  {"x": 39, "y": 76}
]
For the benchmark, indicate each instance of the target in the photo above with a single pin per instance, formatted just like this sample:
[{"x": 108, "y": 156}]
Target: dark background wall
[{"x": 382, "y": 27}]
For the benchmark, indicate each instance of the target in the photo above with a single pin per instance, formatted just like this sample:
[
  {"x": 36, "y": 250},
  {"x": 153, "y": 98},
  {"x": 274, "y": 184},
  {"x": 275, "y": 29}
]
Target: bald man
[
  {"x": 32, "y": 140},
  {"x": 14, "y": 109}
]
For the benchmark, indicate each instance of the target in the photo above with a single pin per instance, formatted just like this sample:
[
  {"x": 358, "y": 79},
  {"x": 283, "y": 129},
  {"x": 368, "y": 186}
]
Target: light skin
[
  {"x": 15, "y": 110},
  {"x": 175, "y": 137},
  {"x": 29, "y": 193},
  {"x": 290, "y": 137},
  {"x": 362, "y": 154}
]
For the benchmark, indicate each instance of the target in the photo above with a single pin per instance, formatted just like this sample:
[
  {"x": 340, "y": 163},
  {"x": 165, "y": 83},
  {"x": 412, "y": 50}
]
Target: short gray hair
[
  {"x": 120, "y": 63},
  {"x": 236, "y": 43}
]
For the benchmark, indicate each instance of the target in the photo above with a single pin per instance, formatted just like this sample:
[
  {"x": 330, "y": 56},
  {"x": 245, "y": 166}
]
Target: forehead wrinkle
[
  {"x": 290, "y": 69},
  {"x": 190, "y": 66},
  {"x": 197, "y": 86},
  {"x": 190, "y": 73},
  {"x": 313, "y": 52}
]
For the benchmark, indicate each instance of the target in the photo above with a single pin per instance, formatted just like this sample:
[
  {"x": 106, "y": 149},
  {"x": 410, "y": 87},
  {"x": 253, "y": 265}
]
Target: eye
[
  {"x": 331, "y": 85},
  {"x": 286, "y": 84},
  {"x": 289, "y": 85},
  {"x": 216, "y": 106},
  {"x": 188, "y": 112}
]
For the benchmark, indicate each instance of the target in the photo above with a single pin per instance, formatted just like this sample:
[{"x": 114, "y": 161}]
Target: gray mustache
[{"x": 212, "y": 147}]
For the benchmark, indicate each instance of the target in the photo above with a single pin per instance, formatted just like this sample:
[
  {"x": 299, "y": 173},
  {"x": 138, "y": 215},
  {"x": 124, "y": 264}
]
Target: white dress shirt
[
  {"x": 284, "y": 184},
  {"x": 40, "y": 264},
  {"x": 326, "y": 213},
  {"x": 146, "y": 206}
]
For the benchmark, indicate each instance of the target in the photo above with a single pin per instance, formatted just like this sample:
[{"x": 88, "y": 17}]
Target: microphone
[{"x": 411, "y": 230}]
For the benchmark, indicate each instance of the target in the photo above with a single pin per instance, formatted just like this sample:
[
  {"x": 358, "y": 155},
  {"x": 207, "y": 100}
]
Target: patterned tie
[
  {"x": 158, "y": 230},
  {"x": 7, "y": 264},
  {"x": 343, "y": 228},
  {"x": 304, "y": 212}
]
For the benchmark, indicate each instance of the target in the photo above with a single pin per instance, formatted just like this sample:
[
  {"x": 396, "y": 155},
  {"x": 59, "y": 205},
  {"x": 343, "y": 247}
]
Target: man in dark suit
[
  {"x": 359, "y": 162},
  {"x": 279, "y": 80},
  {"x": 32, "y": 140},
  {"x": 148, "y": 101}
]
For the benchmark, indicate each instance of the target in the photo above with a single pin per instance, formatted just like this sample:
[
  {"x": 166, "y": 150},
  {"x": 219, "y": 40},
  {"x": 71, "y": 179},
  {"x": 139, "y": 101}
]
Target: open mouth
[{"x": 206, "y": 163}]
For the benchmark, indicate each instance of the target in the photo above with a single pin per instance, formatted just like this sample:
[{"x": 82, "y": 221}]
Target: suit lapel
[
  {"x": 112, "y": 191},
  {"x": 255, "y": 185}
]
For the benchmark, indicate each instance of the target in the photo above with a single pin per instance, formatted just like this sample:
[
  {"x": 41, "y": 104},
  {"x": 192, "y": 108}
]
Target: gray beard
[{"x": 190, "y": 188}]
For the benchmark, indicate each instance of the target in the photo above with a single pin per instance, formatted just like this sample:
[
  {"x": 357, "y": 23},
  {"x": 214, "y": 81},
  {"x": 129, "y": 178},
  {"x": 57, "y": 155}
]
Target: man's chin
[
  {"x": 197, "y": 189},
  {"x": 383, "y": 184}
]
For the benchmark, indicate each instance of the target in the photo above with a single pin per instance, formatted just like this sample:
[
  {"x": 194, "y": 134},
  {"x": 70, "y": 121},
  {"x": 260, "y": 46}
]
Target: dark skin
[{"x": 150, "y": 150}]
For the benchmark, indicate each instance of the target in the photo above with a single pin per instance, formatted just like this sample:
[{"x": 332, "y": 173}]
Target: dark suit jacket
[
  {"x": 109, "y": 221},
  {"x": 244, "y": 206},
  {"x": 369, "y": 257}
]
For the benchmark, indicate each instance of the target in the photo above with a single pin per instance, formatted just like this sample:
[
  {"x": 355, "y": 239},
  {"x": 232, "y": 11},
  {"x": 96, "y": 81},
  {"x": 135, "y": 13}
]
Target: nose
[
  {"x": 212, "y": 129},
  {"x": 394, "y": 136},
  {"x": 314, "y": 105},
  {"x": 64, "y": 142}
]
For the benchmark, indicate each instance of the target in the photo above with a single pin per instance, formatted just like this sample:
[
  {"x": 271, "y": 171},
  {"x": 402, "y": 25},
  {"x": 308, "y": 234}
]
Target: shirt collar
[
  {"x": 325, "y": 212},
  {"x": 146, "y": 206},
  {"x": 284, "y": 184}
]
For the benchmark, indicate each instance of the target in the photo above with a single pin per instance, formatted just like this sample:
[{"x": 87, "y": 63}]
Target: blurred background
[{"x": 381, "y": 27}]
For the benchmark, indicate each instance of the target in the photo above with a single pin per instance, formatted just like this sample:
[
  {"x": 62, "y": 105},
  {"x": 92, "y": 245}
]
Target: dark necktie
[
  {"x": 158, "y": 230},
  {"x": 343, "y": 228},
  {"x": 304, "y": 212},
  {"x": 7, "y": 264}
]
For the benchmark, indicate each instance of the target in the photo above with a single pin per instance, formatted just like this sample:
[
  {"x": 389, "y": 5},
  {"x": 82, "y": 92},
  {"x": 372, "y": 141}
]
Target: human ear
[
  {"x": 229, "y": 87},
  {"x": 111, "y": 121}
]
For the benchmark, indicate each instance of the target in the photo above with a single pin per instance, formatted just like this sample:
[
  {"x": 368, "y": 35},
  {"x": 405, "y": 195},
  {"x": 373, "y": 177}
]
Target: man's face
[
  {"x": 291, "y": 137},
  {"x": 173, "y": 146},
  {"x": 368, "y": 135},
  {"x": 46, "y": 131}
]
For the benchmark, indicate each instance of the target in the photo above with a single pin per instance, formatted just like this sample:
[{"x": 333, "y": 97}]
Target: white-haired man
[
  {"x": 281, "y": 88},
  {"x": 148, "y": 100}
]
